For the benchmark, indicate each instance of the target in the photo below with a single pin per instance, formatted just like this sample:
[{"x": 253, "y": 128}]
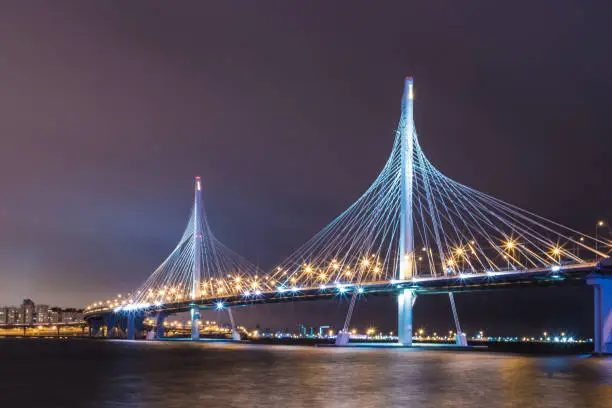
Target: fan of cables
[
  {"x": 455, "y": 230},
  {"x": 222, "y": 272}
]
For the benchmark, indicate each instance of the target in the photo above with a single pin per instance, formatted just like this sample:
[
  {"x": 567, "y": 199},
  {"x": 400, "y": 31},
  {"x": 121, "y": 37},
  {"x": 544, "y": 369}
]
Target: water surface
[{"x": 89, "y": 373}]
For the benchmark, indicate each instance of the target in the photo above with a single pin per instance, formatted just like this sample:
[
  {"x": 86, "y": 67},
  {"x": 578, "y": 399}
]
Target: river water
[{"x": 89, "y": 373}]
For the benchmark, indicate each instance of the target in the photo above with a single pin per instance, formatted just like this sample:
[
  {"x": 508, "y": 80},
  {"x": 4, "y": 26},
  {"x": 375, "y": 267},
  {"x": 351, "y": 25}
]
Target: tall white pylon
[
  {"x": 407, "y": 298},
  {"x": 197, "y": 264}
]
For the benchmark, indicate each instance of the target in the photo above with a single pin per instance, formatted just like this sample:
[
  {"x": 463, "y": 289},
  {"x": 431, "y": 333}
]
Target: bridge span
[{"x": 414, "y": 231}]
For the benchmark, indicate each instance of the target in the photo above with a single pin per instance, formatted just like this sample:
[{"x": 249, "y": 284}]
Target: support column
[
  {"x": 131, "y": 326},
  {"x": 344, "y": 336},
  {"x": 406, "y": 235},
  {"x": 195, "y": 322},
  {"x": 157, "y": 331},
  {"x": 405, "y": 302},
  {"x": 235, "y": 334},
  {"x": 602, "y": 286},
  {"x": 197, "y": 260},
  {"x": 94, "y": 327},
  {"x": 111, "y": 321},
  {"x": 460, "y": 338}
]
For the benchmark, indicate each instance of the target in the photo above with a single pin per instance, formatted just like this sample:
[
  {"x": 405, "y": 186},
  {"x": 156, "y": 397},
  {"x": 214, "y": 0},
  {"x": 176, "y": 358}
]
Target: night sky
[{"x": 287, "y": 110}]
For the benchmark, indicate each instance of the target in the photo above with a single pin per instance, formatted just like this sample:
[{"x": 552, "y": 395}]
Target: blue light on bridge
[
  {"x": 158, "y": 303},
  {"x": 555, "y": 268},
  {"x": 341, "y": 289},
  {"x": 282, "y": 289},
  {"x": 247, "y": 293},
  {"x": 322, "y": 287},
  {"x": 258, "y": 293},
  {"x": 294, "y": 289},
  {"x": 360, "y": 290},
  {"x": 219, "y": 306}
]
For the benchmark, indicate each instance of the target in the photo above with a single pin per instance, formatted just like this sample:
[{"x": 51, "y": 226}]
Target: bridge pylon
[
  {"x": 197, "y": 261},
  {"x": 407, "y": 297}
]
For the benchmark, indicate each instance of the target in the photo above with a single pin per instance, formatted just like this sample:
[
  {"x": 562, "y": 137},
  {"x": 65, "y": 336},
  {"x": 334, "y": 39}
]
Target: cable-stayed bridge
[{"x": 413, "y": 231}]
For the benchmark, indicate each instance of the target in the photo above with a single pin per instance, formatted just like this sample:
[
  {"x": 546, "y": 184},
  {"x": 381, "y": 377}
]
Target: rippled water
[{"x": 85, "y": 373}]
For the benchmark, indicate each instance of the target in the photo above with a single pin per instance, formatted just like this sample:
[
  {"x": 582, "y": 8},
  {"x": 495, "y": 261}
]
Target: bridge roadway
[{"x": 565, "y": 275}]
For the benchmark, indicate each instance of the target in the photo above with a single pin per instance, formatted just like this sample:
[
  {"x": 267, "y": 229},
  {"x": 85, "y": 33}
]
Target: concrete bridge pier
[
  {"x": 131, "y": 326},
  {"x": 602, "y": 285},
  {"x": 158, "y": 327},
  {"x": 110, "y": 320},
  {"x": 235, "y": 333},
  {"x": 405, "y": 303},
  {"x": 195, "y": 322},
  {"x": 94, "y": 327}
]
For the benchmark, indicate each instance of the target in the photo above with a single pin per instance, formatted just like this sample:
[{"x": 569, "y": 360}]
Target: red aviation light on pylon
[{"x": 198, "y": 186}]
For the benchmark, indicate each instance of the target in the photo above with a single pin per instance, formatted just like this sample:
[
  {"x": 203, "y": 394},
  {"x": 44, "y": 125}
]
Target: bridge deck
[{"x": 566, "y": 275}]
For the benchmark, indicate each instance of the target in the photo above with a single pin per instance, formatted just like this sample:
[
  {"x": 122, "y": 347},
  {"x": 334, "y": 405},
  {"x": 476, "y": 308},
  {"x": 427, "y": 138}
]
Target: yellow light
[
  {"x": 509, "y": 244},
  {"x": 348, "y": 273},
  {"x": 322, "y": 276},
  {"x": 556, "y": 251},
  {"x": 238, "y": 279},
  {"x": 377, "y": 269},
  {"x": 308, "y": 269},
  {"x": 600, "y": 223},
  {"x": 459, "y": 251},
  {"x": 365, "y": 262},
  {"x": 450, "y": 262}
]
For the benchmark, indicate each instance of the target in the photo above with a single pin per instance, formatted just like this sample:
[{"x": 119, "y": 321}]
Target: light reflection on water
[{"x": 170, "y": 374}]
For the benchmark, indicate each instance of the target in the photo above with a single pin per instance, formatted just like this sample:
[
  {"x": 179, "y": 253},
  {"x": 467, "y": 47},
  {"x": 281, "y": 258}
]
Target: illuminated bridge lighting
[{"x": 456, "y": 234}]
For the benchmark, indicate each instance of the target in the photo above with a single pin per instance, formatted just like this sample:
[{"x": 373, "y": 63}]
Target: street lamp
[{"x": 599, "y": 224}]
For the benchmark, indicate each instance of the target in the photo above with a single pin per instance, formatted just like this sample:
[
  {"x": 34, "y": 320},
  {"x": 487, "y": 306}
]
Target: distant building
[
  {"x": 26, "y": 312},
  {"x": 72, "y": 316},
  {"x": 12, "y": 315},
  {"x": 42, "y": 314},
  {"x": 55, "y": 315},
  {"x": 31, "y": 313}
]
